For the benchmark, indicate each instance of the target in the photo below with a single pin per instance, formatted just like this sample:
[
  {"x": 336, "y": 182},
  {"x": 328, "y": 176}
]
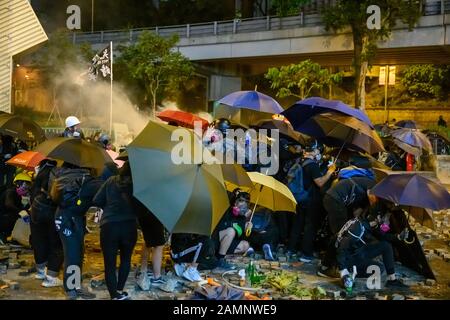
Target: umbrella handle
[
  {"x": 248, "y": 230},
  {"x": 342, "y": 147}
]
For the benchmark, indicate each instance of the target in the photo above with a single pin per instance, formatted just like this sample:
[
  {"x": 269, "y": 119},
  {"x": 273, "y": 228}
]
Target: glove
[{"x": 402, "y": 236}]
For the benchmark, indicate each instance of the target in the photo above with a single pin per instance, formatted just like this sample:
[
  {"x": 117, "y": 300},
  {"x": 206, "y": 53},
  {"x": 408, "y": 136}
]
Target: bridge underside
[{"x": 391, "y": 56}]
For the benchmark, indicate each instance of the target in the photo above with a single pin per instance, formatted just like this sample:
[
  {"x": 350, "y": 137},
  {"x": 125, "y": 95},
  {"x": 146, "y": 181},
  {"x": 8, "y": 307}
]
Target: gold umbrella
[{"x": 187, "y": 197}]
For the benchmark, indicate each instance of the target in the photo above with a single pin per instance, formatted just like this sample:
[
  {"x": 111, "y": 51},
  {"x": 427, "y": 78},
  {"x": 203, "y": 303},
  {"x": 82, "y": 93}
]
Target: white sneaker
[
  {"x": 51, "y": 282},
  {"x": 179, "y": 269},
  {"x": 40, "y": 274},
  {"x": 192, "y": 274},
  {"x": 144, "y": 282}
]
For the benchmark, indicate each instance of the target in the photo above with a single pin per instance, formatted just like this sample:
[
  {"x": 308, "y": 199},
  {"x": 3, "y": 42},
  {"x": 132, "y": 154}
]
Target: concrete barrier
[{"x": 443, "y": 169}]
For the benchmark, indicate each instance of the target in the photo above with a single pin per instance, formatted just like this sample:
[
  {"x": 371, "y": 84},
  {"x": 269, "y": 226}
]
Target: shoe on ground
[
  {"x": 144, "y": 282},
  {"x": 306, "y": 259},
  {"x": 157, "y": 282},
  {"x": 250, "y": 252},
  {"x": 192, "y": 274},
  {"x": 328, "y": 272},
  {"x": 223, "y": 264},
  {"x": 396, "y": 284},
  {"x": 121, "y": 296},
  {"x": 268, "y": 253},
  {"x": 51, "y": 282},
  {"x": 179, "y": 269},
  {"x": 85, "y": 294},
  {"x": 169, "y": 286},
  {"x": 40, "y": 274}
]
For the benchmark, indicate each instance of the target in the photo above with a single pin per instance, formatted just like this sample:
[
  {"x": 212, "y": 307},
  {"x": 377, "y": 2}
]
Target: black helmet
[
  {"x": 239, "y": 194},
  {"x": 222, "y": 125},
  {"x": 313, "y": 144}
]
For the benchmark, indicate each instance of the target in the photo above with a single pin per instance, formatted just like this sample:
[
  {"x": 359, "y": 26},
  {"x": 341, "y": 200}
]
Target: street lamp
[{"x": 92, "y": 16}]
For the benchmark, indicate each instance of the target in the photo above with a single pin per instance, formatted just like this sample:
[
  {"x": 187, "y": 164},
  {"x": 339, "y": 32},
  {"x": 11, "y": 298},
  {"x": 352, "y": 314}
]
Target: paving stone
[
  {"x": 430, "y": 282},
  {"x": 398, "y": 297},
  {"x": 333, "y": 294}
]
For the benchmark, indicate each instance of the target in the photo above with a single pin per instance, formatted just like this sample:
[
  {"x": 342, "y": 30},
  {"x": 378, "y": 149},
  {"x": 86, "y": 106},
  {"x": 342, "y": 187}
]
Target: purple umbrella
[
  {"x": 412, "y": 137},
  {"x": 252, "y": 100},
  {"x": 304, "y": 109},
  {"x": 413, "y": 190},
  {"x": 410, "y": 124}
]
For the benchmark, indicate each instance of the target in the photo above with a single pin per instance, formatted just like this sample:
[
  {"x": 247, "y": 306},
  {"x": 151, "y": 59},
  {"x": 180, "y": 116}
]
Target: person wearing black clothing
[
  {"x": 71, "y": 226},
  {"x": 340, "y": 202},
  {"x": 118, "y": 229},
  {"x": 359, "y": 241},
  {"x": 442, "y": 122},
  {"x": 45, "y": 240},
  {"x": 308, "y": 213},
  {"x": 11, "y": 204},
  {"x": 8, "y": 149}
]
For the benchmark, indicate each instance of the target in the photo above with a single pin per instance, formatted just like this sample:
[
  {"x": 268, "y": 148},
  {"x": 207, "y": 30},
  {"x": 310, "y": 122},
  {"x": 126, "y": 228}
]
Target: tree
[
  {"x": 426, "y": 81},
  {"x": 151, "y": 61},
  {"x": 353, "y": 14},
  {"x": 288, "y": 7},
  {"x": 300, "y": 79}
]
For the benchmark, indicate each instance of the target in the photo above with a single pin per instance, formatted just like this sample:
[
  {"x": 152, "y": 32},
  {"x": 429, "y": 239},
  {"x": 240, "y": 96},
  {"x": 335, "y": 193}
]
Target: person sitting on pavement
[
  {"x": 47, "y": 247},
  {"x": 362, "y": 239},
  {"x": 154, "y": 240},
  {"x": 73, "y": 129},
  {"x": 306, "y": 179},
  {"x": 118, "y": 229},
  {"x": 12, "y": 204},
  {"x": 229, "y": 233}
]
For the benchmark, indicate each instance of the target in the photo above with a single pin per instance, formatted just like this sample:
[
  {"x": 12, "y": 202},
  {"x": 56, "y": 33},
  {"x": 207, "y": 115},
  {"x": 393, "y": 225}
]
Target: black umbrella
[
  {"x": 22, "y": 128},
  {"x": 75, "y": 151},
  {"x": 285, "y": 129},
  {"x": 409, "y": 124}
]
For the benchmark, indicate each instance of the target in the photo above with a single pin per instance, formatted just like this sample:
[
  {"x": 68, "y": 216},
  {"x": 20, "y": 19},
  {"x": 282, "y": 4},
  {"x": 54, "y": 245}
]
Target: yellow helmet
[{"x": 22, "y": 177}]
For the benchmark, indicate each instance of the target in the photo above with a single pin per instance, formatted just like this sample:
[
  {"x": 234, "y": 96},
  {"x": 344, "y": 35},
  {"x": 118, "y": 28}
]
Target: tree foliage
[
  {"x": 152, "y": 62},
  {"x": 426, "y": 81},
  {"x": 301, "y": 79},
  {"x": 353, "y": 14},
  {"x": 285, "y": 8}
]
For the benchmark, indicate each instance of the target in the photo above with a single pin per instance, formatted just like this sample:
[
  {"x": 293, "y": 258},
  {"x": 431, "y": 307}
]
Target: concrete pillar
[{"x": 220, "y": 86}]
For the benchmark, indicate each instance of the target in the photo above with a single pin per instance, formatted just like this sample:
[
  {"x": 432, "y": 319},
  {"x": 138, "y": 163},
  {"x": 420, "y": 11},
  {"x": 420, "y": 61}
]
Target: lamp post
[{"x": 92, "y": 16}]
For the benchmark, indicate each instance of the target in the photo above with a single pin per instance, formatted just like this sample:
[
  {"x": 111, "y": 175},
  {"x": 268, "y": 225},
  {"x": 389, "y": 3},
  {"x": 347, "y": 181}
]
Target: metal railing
[
  {"x": 56, "y": 131},
  {"x": 235, "y": 26}
]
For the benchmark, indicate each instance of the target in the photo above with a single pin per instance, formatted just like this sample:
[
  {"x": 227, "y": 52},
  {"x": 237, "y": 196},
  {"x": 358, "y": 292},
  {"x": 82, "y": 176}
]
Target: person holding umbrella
[
  {"x": 118, "y": 229},
  {"x": 229, "y": 233},
  {"x": 45, "y": 240},
  {"x": 73, "y": 189},
  {"x": 310, "y": 181}
]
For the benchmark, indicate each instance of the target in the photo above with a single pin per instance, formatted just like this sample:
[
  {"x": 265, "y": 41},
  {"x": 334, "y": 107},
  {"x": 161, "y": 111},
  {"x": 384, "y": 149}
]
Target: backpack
[
  {"x": 352, "y": 171},
  {"x": 65, "y": 190},
  {"x": 261, "y": 221},
  {"x": 296, "y": 185}
]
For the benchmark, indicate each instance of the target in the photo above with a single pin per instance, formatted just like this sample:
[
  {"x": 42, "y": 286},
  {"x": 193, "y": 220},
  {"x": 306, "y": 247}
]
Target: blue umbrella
[
  {"x": 413, "y": 190},
  {"x": 413, "y": 137},
  {"x": 304, "y": 109},
  {"x": 410, "y": 124},
  {"x": 252, "y": 100}
]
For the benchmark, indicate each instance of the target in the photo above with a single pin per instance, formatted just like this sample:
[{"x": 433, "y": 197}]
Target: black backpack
[{"x": 66, "y": 189}]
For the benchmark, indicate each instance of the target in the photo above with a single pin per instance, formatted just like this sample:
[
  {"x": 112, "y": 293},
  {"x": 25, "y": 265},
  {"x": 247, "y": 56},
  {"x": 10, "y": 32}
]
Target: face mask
[
  {"x": 318, "y": 157},
  {"x": 22, "y": 190},
  {"x": 385, "y": 227},
  {"x": 76, "y": 134}
]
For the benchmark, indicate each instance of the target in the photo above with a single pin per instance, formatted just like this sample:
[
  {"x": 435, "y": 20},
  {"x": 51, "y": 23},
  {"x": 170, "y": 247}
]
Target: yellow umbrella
[{"x": 268, "y": 192}]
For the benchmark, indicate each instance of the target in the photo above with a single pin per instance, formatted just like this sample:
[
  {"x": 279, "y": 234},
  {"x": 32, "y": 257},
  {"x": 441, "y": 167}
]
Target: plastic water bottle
[{"x": 348, "y": 284}]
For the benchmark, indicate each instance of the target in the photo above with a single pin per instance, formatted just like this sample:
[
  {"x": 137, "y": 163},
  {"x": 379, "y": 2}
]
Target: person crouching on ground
[
  {"x": 229, "y": 233},
  {"x": 118, "y": 229}
]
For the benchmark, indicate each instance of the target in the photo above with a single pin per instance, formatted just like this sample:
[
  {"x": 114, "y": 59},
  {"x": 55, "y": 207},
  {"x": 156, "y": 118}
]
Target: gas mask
[
  {"x": 318, "y": 157},
  {"x": 240, "y": 208},
  {"x": 22, "y": 190}
]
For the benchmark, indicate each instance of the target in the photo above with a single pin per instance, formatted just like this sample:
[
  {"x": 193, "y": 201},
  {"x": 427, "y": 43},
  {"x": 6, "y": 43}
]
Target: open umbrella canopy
[
  {"x": 252, "y": 100},
  {"x": 423, "y": 216},
  {"x": 27, "y": 160},
  {"x": 269, "y": 193},
  {"x": 409, "y": 124},
  {"x": 413, "y": 190},
  {"x": 304, "y": 109},
  {"x": 236, "y": 175},
  {"x": 285, "y": 129},
  {"x": 74, "y": 151},
  {"x": 358, "y": 159},
  {"x": 242, "y": 116},
  {"x": 413, "y": 137},
  {"x": 22, "y": 128},
  {"x": 182, "y": 118},
  {"x": 407, "y": 148},
  {"x": 187, "y": 196},
  {"x": 338, "y": 130}
]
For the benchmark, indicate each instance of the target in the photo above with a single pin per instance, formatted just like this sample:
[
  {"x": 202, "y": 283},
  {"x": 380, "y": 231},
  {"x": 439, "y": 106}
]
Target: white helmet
[{"x": 72, "y": 121}]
